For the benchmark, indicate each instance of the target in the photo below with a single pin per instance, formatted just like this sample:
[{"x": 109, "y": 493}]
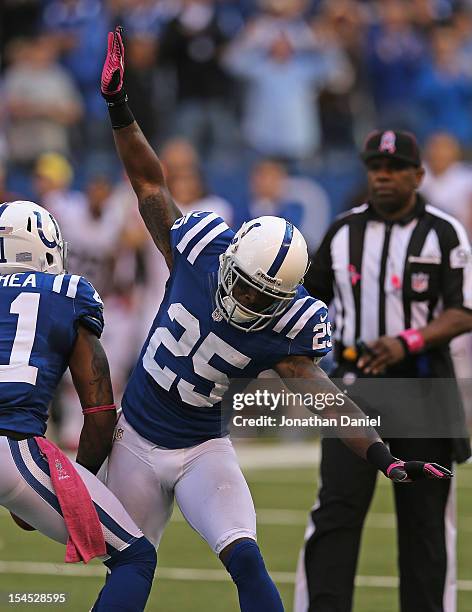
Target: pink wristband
[
  {"x": 413, "y": 340},
  {"x": 94, "y": 409}
]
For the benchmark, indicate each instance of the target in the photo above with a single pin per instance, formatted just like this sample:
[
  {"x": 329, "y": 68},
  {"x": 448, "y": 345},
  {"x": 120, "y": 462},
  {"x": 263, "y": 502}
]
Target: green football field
[{"x": 190, "y": 578}]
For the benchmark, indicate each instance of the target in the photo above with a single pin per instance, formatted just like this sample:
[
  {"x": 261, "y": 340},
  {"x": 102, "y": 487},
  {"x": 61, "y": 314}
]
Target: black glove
[{"x": 404, "y": 471}]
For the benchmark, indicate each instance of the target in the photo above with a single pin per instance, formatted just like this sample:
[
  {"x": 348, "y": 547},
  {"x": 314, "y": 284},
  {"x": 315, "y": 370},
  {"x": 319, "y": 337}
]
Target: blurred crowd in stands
[{"x": 255, "y": 107}]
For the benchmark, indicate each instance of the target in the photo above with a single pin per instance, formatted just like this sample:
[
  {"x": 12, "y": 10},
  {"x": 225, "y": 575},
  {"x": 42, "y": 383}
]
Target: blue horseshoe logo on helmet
[{"x": 49, "y": 243}]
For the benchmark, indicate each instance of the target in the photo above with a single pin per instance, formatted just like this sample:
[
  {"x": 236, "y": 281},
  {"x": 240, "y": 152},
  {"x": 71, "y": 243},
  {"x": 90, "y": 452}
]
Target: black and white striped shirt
[{"x": 386, "y": 277}]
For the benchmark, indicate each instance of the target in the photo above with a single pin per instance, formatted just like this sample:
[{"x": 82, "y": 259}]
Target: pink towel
[{"x": 86, "y": 539}]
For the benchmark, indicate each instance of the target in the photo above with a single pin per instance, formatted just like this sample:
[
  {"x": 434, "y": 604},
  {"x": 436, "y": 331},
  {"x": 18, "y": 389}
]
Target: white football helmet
[
  {"x": 30, "y": 239},
  {"x": 270, "y": 255}
]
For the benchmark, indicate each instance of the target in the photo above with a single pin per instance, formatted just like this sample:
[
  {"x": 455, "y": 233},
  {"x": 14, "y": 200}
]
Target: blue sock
[
  {"x": 128, "y": 585},
  {"x": 256, "y": 591}
]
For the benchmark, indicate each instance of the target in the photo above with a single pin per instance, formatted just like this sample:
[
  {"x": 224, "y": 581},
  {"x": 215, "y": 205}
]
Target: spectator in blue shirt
[
  {"x": 283, "y": 83},
  {"x": 80, "y": 27},
  {"x": 444, "y": 89},
  {"x": 394, "y": 54}
]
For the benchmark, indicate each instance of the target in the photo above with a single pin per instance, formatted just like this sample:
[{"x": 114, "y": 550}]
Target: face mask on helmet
[
  {"x": 30, "y": 240},
  {"x": 245, "y": 303},
  {"x": 260, "y": 272}
]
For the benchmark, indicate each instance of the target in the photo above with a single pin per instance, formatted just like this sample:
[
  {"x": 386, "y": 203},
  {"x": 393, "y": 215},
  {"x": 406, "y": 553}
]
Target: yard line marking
[
  {"x": 184, "y": 573},
  {"x": 272, "y": 457},
  {"x": 296, "y": 518},
  {"x": 268, "y": 517},
  {"x": 375, "y": 520},
  {"x": 50, "y": 569}
]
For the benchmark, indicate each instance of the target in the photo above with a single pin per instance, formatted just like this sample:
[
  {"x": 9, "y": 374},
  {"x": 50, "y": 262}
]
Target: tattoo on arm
[
  {"x": 301, "y": 375},
  {"x": 91, "y": 375},
  {"x": 145, "y": 172},
  {"x": 298, "y": 367},
  {"x": 100, "y": 392},
  {"x": 159, "y": 212},
  {"x": 90, "y": 372}
]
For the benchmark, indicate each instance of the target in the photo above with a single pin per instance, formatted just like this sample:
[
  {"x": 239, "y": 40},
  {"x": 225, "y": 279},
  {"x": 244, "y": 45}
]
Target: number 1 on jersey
[{"x": 18, "y": 370}]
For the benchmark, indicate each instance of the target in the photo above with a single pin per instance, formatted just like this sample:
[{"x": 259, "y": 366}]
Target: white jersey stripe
[
  {"x": 113, "y": 539},
  {"x": 338, "y": 309},
  {"x": 33, "y": 467},
  {"x": 290, "y": 313},
  {"x": 195, "y": 230},
  {"x": 374, "y": 236},
  {"x": 57, "y": 284},
  {"x": 201, "y": 244},
  {"x": 394, "y": 307},
  {"x": 464, "y": 244},
  {"x": 419, "y": 314},
  {"x": 450, "y": 532},
  {"x": 340, "y": 257},
  {"x": 309, "y": 312},
  {"x": 72, "y": 288}
]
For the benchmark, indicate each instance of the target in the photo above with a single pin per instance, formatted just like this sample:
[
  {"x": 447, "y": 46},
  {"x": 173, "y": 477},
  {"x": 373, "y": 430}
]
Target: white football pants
[
  {"x": 26, "y": 490},
  {"x": 205, "y": 480}
]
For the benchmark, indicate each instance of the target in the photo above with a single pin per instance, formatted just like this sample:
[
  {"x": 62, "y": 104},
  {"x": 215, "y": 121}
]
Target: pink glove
[
  {"x": 408, "y": 471},
  {"x": 113, "y": 69}
]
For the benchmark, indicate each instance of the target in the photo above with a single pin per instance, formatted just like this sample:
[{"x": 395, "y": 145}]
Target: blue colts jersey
[
  {"x": 39, "y": 314},
  {"x": 173, "y": 397}
]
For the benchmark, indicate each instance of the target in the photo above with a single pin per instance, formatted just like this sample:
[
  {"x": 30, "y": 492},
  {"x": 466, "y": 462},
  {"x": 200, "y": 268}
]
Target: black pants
[{"x": 347, "y": 487}]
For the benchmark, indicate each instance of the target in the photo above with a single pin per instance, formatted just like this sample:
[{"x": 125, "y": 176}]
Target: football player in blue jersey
[
  {"x": 234, "y": 306},
  {"x": 50, "y": 320}
]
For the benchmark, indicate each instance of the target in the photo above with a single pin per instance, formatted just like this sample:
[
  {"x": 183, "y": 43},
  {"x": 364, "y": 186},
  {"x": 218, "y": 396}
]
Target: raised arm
[
  {"x": 302, "y": 375},
  {"x": 143, "y": 168},
  {"x": 91, "y": 376},
  {"x": 141, "y": 163}
]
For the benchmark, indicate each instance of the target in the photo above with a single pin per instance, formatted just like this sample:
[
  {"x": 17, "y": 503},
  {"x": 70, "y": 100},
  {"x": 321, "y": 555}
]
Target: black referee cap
[{"x": 394, "y": 145}]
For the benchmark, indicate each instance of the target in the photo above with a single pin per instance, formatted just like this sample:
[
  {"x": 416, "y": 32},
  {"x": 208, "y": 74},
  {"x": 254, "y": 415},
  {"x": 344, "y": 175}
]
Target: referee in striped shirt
[{"x": 400, "y": 274}]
